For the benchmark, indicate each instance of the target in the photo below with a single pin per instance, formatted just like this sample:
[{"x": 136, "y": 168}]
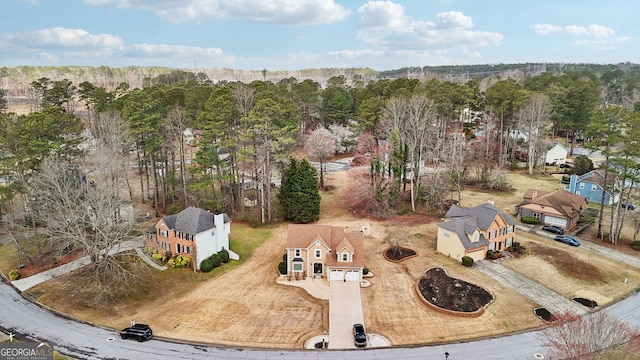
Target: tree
[
  {"x": 88, "y": 214},
  {"x": 593, "y": 336},
  {"x": 320, "y": 146},
  {"x": 337, "y": 105},
  {"x": 396, "y": 238},
  {"x": 299, "y": 192},
  {"x": 271, "y": 125},
  {"x": 534, "y": 120},
  {"x": 581, "y": 165}
]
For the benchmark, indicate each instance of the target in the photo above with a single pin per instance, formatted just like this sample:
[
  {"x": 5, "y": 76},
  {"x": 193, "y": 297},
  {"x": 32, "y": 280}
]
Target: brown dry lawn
[{"x": 245, "y": 307}]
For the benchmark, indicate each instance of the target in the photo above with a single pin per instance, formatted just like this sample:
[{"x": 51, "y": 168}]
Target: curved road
[{"x": 85, "y": 341}]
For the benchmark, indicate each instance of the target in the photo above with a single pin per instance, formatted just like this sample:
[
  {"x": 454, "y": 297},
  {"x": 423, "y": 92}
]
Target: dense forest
[{"x": 97, "y": 140}]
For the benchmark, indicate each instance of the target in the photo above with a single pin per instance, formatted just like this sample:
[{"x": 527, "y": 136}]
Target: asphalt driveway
[{"x": 345, "y": 309}]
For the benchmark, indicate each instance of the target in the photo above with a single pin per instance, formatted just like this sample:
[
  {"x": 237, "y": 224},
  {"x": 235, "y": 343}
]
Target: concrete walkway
[
  {"x": 31, "y": 281},
  {"x": 345, "y": 309},
  {"x": 530, "y": 289}
]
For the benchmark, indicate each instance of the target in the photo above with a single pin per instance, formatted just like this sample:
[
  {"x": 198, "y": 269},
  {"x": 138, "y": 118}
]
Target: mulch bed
[
  {"x": 399, "y": 254},
  {"x": 450, "y": 293}
]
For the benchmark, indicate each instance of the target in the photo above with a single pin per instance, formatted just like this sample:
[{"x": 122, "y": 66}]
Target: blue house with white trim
[{"x": 592, "y": 185}]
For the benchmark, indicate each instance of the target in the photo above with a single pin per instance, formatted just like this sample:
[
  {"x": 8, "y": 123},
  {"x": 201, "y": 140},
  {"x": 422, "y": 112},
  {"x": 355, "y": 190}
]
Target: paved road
[
  {"x": 345, "y": 309},
  {"x": 84, "y": 341},
  {"x": 530, "y": 289}
]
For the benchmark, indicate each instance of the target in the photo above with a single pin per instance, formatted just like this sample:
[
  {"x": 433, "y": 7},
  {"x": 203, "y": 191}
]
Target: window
[
  {"x": 581, "y": 185},
  {"x": 446, "y": 233},
  {"x": 502, "y": 231},
  {"x": 593, "y": 187},
  {"x": 318, "y": 253},
  {"x": 298, "y": 253},
  {"x": 297, "y": 267},
  {"x": 178, "y": 248},
  {"x": 345, "y": 257},
  {"x": 163, "y": 233}
]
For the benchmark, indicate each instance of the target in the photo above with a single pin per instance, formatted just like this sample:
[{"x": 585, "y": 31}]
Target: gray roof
[
  {"x": 192, "y": 220},
  {"x": 485, "y": 214},
  {"x": 463, "y": 226}
]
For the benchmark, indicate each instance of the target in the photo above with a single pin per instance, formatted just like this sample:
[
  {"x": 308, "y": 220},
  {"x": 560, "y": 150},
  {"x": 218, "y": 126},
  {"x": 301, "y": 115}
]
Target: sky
[{"x": 307, "y": 34}]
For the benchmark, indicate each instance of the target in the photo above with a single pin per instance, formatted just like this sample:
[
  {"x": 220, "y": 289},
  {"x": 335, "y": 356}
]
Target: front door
[{"x": 317, "y": 269}]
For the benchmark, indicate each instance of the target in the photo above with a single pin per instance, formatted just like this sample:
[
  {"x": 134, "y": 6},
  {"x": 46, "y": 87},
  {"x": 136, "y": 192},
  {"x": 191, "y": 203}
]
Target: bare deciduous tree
[
  {"x": 88, "y": 214},
  {"x": 597, "y": 335},
  {"x": 396, "y": 238},
  {"x": 534, "y": 119}
]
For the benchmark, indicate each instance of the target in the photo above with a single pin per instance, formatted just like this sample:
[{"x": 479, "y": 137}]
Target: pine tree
[{"x": 299, "y": 193}]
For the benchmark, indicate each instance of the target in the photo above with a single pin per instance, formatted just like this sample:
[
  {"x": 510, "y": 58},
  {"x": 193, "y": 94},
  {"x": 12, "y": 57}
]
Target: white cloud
[
  {"x": 545, "y": 29},
  {"x": 64, "y": 38},
  {"x": 594, "y": 35},
  {"x": 289, "y": 12},
  {"x": 593, "y": 30},
  {"x": 384, "y": 24},
  {"x": 72, "y": 45}
]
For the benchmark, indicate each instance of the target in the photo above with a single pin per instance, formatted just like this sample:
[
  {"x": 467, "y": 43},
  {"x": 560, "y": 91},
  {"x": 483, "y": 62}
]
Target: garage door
[
  {"x": 550, "y": 220},
  {"x": 353, "y": 275},
  {"x": 336, "y": 275}
]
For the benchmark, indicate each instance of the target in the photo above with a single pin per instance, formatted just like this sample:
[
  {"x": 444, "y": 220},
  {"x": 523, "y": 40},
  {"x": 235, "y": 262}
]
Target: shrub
[
  {"x": 14, "y": 275},
  {"x": 215, "y": 260},
  {"x": 206, "y": 265},
  {"x": 224, "y": 255},
  {"x": 529, "y": 220},
  {"x": 158, "y": 257},
  {"x": 365, "y": 271},
  {"x": 490, "y": 254},
  {"x": 282, "y": 268},
  {"x": 254, "y": 222},
  {"x": 467, "y": 261},
  {"x": 635, "y": 245},
  {"x": 180, "y": 261}
]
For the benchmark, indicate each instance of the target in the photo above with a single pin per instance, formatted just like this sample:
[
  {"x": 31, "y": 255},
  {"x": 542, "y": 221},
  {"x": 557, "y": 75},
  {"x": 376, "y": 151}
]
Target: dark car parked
[
  {"x": 568, "y": 240},
  {"x": 553, "y": 229},
  {"x": 629, "y": 206},
  {"x": 140, "y": 332},
  {"x": 359, "y": 336}
]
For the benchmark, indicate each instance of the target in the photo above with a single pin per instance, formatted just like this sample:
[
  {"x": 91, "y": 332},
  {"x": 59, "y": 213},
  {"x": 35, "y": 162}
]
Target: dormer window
[{"x": 345, "y": 257}]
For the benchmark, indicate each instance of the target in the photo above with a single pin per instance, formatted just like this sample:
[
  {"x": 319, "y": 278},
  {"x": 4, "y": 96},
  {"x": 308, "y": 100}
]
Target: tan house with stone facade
[
  {"x": 324, "y": 251},
  {"x": 472, "y": 232}
]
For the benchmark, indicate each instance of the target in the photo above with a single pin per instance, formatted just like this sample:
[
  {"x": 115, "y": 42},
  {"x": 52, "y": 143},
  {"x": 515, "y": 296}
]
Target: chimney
[
  {"x": 490, "y": 201},
  {"x": 534, "y": 194}
]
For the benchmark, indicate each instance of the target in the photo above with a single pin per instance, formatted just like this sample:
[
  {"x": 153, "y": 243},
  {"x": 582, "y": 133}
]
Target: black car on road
[
  {"x": 359, "y": 336},
  {"x": 140, "y": 332},
  {"x": 553, "y": 229}
]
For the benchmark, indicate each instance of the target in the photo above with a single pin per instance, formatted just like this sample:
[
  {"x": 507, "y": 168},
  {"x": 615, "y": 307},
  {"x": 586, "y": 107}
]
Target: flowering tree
[{"x": 597, "y": 335}]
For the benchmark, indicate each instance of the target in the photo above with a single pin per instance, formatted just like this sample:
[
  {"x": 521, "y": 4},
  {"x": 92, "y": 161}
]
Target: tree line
[{"x": 422, "y": 140}]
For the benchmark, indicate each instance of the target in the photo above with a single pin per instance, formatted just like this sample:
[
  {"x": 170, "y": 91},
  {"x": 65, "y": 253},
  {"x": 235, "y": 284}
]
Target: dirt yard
[{"x": 245, "y": 307}]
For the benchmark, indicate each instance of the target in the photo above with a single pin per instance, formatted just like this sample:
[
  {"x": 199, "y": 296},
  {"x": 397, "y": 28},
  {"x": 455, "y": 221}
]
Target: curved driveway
[{"x": 85, "y": 341}]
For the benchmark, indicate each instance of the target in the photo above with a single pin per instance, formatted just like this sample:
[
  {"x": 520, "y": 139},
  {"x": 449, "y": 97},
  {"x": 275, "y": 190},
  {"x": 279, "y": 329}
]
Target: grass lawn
[{"x": 157, "y": 286}]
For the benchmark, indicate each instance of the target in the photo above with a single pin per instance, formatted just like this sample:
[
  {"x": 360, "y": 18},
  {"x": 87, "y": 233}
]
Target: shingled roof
[
  {"x": 563, "y": 201},
  {"x": 463, "y": 226},
  {"x": 485, "y": 214},
  {"x": 192, "y": 220}
]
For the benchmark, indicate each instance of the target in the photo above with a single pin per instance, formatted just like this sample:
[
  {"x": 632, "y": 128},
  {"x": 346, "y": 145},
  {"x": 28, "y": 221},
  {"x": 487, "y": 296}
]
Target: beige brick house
[{"x": 324, "y": 251}]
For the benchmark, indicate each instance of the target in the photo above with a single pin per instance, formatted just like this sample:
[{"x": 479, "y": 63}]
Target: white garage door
[
  {"x": 550, "y": 220},
  {"x": 353, "y": 275},
  {"x": 336, "y": 275}
]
